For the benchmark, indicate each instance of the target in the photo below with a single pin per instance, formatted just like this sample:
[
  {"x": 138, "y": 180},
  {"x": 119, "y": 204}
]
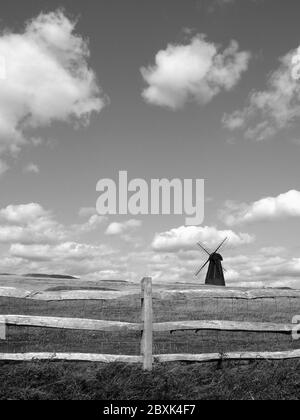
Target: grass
[
  {"x": 231, "y": 380},
  {"x": 69, "y": 381}
]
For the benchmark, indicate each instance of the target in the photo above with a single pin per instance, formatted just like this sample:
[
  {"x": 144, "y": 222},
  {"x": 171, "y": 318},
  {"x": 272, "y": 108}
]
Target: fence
[{"x": 147, "y": 326}]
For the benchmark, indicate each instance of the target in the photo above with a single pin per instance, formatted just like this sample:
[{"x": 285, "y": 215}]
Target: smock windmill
[{"x": 215, "y": 273}]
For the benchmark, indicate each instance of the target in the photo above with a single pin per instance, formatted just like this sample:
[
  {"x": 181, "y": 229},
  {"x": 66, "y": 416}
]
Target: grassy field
[
  {"x": 182, "y": 381},
  {"x": 69, "y": 381}
]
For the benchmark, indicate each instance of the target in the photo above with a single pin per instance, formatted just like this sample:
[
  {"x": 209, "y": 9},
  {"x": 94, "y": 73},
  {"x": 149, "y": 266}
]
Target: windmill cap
[{"x": 216, "y": 257}]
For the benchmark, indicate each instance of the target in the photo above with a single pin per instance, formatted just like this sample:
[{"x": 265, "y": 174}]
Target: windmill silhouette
[{"x": 215, "y": 273}]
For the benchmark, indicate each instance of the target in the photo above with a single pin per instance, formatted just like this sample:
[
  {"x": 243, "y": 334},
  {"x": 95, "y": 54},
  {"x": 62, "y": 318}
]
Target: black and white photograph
[{"x": 150, "y": 203}]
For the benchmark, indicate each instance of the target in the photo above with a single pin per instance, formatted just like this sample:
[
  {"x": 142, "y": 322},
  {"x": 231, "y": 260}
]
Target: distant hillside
[{"x": 51, "y": 276}]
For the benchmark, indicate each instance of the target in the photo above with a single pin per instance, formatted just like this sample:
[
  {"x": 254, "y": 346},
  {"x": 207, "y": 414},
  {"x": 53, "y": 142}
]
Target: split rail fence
[{"x": 147, "y": 327}]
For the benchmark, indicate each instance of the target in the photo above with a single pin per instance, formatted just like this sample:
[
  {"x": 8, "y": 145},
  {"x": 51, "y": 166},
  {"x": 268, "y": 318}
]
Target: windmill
[{"x": 215, "y": 273}]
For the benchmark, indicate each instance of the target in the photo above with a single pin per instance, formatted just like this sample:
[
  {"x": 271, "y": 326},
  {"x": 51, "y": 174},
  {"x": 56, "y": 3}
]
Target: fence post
[
  {"x": 2, "y": 330},
  {"x": 147, "y": 320}
]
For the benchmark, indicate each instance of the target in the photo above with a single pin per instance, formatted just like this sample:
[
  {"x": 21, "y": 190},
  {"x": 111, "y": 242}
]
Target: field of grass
[
  {"x": 261, "y": 379},
  {"x": 77, "y": 381}
]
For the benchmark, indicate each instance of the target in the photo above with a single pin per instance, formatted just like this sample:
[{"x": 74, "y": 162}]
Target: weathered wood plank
[
  {"x": 2, "y": 331},
  {"x": 213, "y": 357},
  {"x": 66, "y": 295},
  {"x": 160, "y": 358},
  {"x": 203, "y": 292},
  {"x": 82, "y": 295},
  {"x": 263, "y": 327},
  {"x": 68, "y": 323},
  {"x": 227, "y": 293},
  {"x": 74, "y": 357},
  {"x": 147, "y": 319},
  {"x": 111, "y": 326}
]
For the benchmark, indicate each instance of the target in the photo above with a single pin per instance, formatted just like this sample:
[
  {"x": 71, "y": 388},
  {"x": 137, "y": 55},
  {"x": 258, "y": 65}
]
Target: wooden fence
[{"x": 147, "y": 327}]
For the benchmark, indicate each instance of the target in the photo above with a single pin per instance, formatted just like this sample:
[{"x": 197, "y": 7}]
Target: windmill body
[{"x": 215, "y": 273}]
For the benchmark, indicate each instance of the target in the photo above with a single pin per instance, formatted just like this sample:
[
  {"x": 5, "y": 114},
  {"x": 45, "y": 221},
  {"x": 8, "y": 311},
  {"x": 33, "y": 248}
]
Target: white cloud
[
  {"x": 273, "y": 251},
  {"x": 234, "y": 121},
  {"x": 271, "y": 110},
  {"x": 93, "y": 223},
  {"x": 62, "y": 252},
  {"x": 32, "y": 224},
  {"x": 39, "y": 243},
  {"x": 262, "y": 270},
  {"x": 32, "y": 168},
  {"x": 23, "y": 213},
  {"x": 29, "y": 224},
  {"x": 194, "y": 72},
  {"x": 270, "y": 208},
  {"x": 117, "y": 229},
  {"x": 47, "y": 79},
  {"x": 186, "y": 238},
  {"x": 65, "y": 258}
]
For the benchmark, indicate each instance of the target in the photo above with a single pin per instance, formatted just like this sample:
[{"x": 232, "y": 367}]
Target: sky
[{"x": 171, "y": 89}]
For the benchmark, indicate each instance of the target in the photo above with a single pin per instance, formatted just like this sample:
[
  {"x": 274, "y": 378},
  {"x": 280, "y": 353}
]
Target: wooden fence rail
[
  {"x": 202, "y": 292},
  {"x": 147, "y": 327},
  {"x": 160, "y": 358},
  {"x": 111, "y": 326}
]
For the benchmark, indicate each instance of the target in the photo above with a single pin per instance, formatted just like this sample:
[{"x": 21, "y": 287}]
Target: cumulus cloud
[
  {"x": 75, "y": 258},
  {"x": 271, "y": 110},
  {"x": 29, "y": 224},
  {"x": 117, "y": 229},
  {"x": 23, "y": 213},
  {"x": 37, "y": 242},
  {"x": 266, "y": 209},
  {"x": 262, "y": 270},
  {"x": 31, "y": 168},
  {"x": 32, "y": 224},
  {"x": 272, "y": 251},
  {"x": 186, "y": 238},
  {"x": 63, "y": 251},
  {"x": 196, "y": 72},
  {"x": 47, "y": 79},
  {"x": 93, "y": 223}
]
